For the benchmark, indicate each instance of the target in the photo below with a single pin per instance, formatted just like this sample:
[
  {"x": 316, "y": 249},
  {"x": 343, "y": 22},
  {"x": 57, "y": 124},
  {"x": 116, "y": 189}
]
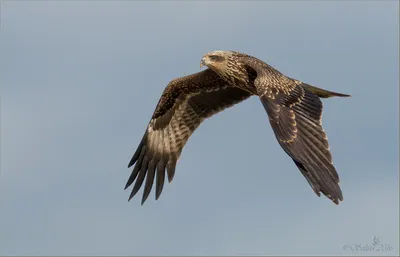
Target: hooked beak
[{"x": 202, "y": 62}]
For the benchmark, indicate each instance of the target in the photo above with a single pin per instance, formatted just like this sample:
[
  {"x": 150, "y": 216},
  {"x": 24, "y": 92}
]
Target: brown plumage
[{"x": 293, "y": 107}]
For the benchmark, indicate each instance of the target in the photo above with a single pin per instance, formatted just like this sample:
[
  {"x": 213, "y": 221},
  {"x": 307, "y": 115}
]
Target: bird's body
[{"x": 294, "y": 110}]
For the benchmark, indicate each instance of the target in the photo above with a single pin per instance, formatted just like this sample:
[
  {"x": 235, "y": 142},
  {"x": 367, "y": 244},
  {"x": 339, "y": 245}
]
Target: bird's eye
[{"x": 216, "y": 58}]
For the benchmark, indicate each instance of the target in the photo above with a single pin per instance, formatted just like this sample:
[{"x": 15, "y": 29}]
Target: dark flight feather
[{"x": 296, "y": 120}]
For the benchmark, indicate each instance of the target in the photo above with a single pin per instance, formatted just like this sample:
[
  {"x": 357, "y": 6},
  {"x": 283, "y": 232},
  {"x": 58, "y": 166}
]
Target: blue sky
[{"x": 80, "y": 80}]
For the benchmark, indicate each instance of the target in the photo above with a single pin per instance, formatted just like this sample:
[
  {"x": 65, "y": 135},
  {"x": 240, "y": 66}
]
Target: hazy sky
[{"x": 80, "y": 80}]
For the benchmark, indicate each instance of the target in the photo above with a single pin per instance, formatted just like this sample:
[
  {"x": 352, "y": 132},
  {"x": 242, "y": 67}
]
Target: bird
[{"x": 294, "y": 109}]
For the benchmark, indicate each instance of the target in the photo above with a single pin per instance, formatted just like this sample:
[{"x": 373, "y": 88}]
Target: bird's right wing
[{"x": 184, "y": 104}]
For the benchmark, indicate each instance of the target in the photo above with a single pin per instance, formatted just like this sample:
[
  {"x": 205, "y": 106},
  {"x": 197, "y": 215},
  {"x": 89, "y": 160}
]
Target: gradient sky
[{"x": 80, "y": 80}]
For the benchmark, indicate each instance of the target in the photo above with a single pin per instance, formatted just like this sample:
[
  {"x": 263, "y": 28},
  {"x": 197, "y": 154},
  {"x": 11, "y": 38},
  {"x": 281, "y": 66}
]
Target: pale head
[{"x": 216, "y": 60}]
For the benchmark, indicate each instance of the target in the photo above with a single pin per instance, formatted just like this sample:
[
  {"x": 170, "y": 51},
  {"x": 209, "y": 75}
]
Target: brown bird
[{"x": 293, "y": 107}]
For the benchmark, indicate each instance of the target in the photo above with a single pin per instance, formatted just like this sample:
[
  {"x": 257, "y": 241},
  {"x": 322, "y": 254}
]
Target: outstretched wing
[
  {"x": 184, "y": 104},
  {"x": 295, "y": 114}
]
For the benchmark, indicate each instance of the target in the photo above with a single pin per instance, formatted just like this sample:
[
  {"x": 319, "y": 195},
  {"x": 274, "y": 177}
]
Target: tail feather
[{"x": 322, "y": 92}]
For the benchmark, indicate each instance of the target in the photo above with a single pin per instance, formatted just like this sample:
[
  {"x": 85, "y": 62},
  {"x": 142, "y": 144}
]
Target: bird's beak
[{"x": 202, "y": 62}]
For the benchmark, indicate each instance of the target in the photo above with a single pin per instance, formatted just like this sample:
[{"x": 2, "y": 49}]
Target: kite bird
[{"x": 294, "y": 109}]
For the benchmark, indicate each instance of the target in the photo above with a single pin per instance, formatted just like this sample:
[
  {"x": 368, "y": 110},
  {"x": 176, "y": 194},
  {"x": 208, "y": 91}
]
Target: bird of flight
[{"x": 294, "y": 110}]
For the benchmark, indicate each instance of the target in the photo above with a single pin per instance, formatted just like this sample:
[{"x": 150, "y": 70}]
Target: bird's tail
[{"x": 322, "y": 92}]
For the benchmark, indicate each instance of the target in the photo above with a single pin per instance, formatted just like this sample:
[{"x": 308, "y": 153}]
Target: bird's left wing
[
  {"x": 184, "y": 104},
  {"x": 295, "y": 115}
]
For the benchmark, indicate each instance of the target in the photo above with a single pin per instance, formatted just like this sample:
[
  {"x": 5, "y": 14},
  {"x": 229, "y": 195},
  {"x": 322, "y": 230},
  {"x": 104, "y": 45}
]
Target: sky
[{"x": 79, "y": 82}]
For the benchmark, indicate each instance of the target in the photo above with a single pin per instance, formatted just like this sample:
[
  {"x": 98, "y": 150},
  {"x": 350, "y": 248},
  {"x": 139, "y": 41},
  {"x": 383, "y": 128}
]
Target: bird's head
[
  {"x": 227, "y": 64},
  {"x": 216, "y": 60}
]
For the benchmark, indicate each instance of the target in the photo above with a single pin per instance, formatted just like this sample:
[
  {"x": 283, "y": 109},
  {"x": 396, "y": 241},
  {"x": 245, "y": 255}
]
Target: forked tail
[{"x": 322, "y": 92}]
